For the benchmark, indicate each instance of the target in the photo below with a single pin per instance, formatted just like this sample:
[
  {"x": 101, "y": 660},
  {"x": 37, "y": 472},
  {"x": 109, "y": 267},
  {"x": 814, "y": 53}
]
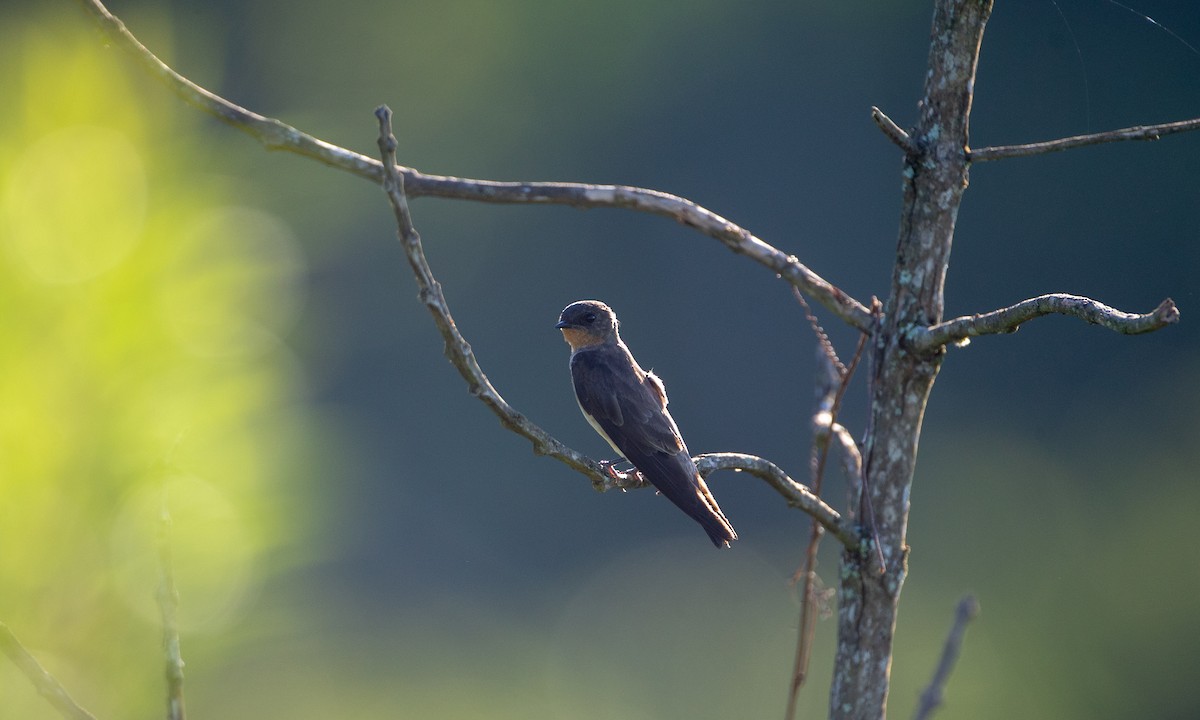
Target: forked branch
[{"x": 1009, "y": 319}]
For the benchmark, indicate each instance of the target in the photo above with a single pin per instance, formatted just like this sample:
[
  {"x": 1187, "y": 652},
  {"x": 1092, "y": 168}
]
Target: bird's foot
[
  {"x": 610, "y": 467},
  {"x": 622, "y": 478}
]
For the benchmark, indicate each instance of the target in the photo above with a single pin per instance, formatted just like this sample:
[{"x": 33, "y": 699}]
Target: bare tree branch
[
  {"x": 797, "y": 495},
  {"x": 931, "y": 699},
  {"x": 458, "y": 350},
  {"x": 893, "y": 131},
  {"x": 1009, "y": 319},
  {"x": 276, "y": 135},
  {"x": 684, "y": 211},
  {"x": 1138, "y": 132},
  {"x": 168, "y": 605},
  {"x": 46, "y": 684}
]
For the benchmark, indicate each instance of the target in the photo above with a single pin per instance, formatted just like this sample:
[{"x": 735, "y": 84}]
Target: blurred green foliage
[{"x": 140, "y": 364}]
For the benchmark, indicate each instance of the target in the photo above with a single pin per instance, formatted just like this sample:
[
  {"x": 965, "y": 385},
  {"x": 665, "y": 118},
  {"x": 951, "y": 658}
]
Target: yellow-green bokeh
[{"x": 140, "y": 360}]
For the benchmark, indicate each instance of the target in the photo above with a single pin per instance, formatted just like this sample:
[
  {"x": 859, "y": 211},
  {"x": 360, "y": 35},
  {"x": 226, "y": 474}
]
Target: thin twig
[
  {"x": 893, "y": 131},
  {"x": 931, "y": 699},
  {"x": 832, "y": 382},
  {"x": 168, "y": 605},
  {"x": 276, "y": 135},
  {"x": 46, "y": 684},
  {"x": 1006, "y": 320},
  {"x": 1138, "y": 132},
  {"x": 459, "y": 352},
  {"x": 830, "y": 374}
]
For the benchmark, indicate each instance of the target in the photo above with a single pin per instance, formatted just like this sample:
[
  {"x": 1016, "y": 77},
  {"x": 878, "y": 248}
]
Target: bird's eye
[{"x": 590, "y": 318}]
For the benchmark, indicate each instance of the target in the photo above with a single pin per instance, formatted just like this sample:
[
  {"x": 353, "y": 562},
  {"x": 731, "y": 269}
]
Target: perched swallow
[{"x": 628, "y": 408}]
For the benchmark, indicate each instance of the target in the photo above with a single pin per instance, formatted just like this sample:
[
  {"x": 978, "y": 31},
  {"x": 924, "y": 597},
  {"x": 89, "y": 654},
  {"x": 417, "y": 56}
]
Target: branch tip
[
  {"x": 387, "y": 140},
  {"x": 1166, "y": 312}
]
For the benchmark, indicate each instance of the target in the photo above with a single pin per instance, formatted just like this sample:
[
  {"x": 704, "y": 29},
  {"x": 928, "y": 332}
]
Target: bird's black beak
[{"x": 562, "y": 324}]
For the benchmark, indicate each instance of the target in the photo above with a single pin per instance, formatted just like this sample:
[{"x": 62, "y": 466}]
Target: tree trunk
[{"x": 935, "y": 177}]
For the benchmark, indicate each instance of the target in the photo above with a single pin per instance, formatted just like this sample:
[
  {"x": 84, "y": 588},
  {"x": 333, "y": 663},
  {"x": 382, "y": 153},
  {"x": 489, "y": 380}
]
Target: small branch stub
[{"x": 893, "y": 131}]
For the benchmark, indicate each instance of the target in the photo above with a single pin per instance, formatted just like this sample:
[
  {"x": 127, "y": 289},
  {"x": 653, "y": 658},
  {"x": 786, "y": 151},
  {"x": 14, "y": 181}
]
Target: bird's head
[{"x": 586, "y": 323}]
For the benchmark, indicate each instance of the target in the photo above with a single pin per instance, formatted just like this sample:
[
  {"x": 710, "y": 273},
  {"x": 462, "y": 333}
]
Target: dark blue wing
[
  {"x": 623, "y": 401},
  {"x": 630, "y": 406}
]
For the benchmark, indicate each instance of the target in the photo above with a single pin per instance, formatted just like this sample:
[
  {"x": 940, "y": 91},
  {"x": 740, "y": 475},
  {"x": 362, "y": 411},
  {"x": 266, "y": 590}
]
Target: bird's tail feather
[
  {"x": 714, "y": 522},
  {"x": 676, "y": 477}
]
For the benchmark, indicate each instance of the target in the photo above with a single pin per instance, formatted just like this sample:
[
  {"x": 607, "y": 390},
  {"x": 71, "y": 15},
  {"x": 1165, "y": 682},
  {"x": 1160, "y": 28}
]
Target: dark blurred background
[{"x": 395, "y": 552}]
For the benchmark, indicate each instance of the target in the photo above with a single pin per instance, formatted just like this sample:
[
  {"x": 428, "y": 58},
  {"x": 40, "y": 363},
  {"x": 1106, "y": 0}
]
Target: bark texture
[{"x": 935, "y": 177}]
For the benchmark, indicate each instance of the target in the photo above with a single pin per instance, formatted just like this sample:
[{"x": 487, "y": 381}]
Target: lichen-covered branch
[
  {"x": 277, "y": 135},
  {"x": 1138, "y": 132},
  {"x": 1009, "y": 319},
  {"x": 931, "y": 698},
  {"x": 47, "y": 685}
]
